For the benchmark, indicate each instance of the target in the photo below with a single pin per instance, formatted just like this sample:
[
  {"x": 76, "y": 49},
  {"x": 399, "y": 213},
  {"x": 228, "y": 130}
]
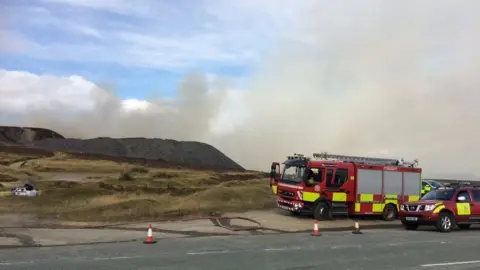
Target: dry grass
[
  {"x": 10, "y": 158},
  {"x": 7, "y": 178},
  {"x": 130, "y": 192},
  {"x": 63, "y": 163}
]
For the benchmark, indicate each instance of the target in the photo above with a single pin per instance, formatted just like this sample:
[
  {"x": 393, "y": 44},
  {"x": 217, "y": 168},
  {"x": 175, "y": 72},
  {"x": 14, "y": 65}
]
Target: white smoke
[{"x": 368, "y": 78}]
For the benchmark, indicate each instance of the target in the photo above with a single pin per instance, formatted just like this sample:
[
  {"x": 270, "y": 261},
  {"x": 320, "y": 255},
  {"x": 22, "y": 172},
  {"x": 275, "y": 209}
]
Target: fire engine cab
[
  {"x": 443, "y": 208},
  {"x": 328, "y": 185}
]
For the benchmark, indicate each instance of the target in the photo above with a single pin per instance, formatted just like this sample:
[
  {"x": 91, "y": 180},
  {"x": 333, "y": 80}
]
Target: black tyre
[
  {"x": 389, "y": 212},
  {"x": 445, "y": 222},
  {"x": 410, "y": 227},
  {"x": 464, "y": 226},
  {"x": 322, "y": 211}
]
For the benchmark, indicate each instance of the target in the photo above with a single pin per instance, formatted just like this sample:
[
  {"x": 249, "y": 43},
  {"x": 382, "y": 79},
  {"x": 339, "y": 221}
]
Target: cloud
[
  {"x": 149, "y": 33},
  {"x": 396, "y": 79},
  {"x": 79, "y": 108}
]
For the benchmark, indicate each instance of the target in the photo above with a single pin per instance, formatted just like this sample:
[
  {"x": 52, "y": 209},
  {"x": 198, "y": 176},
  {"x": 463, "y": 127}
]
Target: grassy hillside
[{"x": 102, "y": 190}]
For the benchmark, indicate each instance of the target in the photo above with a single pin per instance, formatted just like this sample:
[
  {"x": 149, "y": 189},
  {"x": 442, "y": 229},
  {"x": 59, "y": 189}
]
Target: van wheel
[
  {"x": 322, "y": 211},
  {"x": 389, "y": 212},
  {"x": 445, "y": 222}
]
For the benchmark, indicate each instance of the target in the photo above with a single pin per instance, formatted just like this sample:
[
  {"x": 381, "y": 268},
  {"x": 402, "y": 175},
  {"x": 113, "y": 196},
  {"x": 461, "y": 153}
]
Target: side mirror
[{"x": 461, "y": 199}]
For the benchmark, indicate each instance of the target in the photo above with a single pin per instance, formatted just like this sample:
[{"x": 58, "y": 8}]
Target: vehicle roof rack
[
  {"x": 298, "y": 157},
  {"x": 460, "y": 184},
  {"x": 366, "y": 160}
]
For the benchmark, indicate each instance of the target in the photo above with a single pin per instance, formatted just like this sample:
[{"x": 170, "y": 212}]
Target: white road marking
[
  {"x": 297, "y": 248},
  {"x": 73, "y": 259},
  {"x": 406, "y": 243},
  {"x": 450, "y": 263},
  {"x": 210, "y": 252},
  {"x": 345, "y": 246},
  {"x": 15, "y": 263},
  {"x": 243, "y": 250},
  {"x": 282, "y": 249},
  {"x": 115, "y": 258},
  {"x": 276, "y": 249}
]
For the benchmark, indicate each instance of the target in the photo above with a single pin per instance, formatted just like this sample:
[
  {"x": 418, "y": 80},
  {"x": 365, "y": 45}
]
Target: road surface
[{"x": 375, "y": 249}]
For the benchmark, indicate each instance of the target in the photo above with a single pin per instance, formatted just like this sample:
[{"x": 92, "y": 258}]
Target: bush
[{"x": 125, "y": 176}]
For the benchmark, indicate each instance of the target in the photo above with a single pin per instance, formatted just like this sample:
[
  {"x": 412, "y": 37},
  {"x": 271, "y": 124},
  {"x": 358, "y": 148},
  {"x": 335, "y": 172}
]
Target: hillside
[
  {"x": 104, "y": 190},
  {"x": 25, "y": 135},
  {"x": 151, "y": 152}
]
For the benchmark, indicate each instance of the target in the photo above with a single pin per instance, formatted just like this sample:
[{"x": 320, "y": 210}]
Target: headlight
[
  {"x": 429, "y": 207},
  {"x": 403, "y": 207}
]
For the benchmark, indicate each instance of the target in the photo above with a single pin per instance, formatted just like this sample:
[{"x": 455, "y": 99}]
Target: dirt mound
[
  {"x": 25, "y": 135},
  {"x": 194, "y": 153},
  {"x": 141, "y": 151}
]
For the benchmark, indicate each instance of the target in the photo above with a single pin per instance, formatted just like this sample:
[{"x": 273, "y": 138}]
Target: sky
[{"x": 257, "y": 79}]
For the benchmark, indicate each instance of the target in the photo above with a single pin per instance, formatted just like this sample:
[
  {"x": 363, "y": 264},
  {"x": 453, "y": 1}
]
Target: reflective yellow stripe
[
  {"x": 463, "y": 209},
  {"x": 438, "y": 209},
  {"x": 378, "y": 207},
  {"x": 310, "y": 196},
  {"x": 413, "y": 198},
  {"x": 438, "y": 203},
  {"x": 274, "y": 189},
  {"x": 366, "y": 197},
  {"x": 339, "y": 197},
  {"x": 391, "y": 196},
  {"x": 357, "y": 207}
]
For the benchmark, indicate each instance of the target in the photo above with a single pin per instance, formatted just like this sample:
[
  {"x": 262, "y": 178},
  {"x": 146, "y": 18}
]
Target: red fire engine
[{"x": 328, "y": 185}]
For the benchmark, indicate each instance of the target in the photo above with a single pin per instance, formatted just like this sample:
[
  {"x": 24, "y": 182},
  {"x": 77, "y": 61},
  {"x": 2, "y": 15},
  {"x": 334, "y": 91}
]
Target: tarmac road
[{"x": 375, "y": 249}]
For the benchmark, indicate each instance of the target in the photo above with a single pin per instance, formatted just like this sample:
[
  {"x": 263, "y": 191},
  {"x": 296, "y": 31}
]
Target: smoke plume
[{"x": 383, "y": 78}]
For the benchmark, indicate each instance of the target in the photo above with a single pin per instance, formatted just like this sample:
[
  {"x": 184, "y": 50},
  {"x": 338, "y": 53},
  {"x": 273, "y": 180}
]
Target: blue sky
[{"x": 141, "y": 46}]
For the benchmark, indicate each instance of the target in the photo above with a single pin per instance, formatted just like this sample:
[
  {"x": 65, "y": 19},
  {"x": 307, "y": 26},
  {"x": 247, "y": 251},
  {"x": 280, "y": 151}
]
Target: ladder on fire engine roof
[{"x": 367, "y": 160}]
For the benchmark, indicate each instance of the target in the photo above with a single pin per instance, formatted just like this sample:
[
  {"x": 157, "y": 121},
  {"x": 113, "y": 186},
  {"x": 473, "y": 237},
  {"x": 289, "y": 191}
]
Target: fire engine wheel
[
  {"x": 389, "y": 212},
  {"x": 322, "y": 211},
  {"x": 445, "y": 222}
]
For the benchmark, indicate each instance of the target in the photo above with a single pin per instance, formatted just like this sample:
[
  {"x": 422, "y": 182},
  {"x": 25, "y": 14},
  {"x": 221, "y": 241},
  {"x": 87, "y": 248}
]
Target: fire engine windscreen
[
  {"x": 293, "y": 174},
  {"x": 439, "y": 195}
]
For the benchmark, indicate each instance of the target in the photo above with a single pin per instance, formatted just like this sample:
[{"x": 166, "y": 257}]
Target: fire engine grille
[{"x": 286, "y": 193}]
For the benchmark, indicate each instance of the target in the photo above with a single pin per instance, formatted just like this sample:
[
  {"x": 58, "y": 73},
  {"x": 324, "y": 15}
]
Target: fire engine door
[
  {"x": 338, "y": 177},
  {"x": 330, "y": 178},
  {"x": 274, "y": 176}
]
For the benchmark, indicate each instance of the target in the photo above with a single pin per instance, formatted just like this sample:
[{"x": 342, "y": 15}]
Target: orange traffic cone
[
  {"x": 149, "y": 239},
  {"x": 356, "y": 229},
  {"x": 315, "y": 229}
]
